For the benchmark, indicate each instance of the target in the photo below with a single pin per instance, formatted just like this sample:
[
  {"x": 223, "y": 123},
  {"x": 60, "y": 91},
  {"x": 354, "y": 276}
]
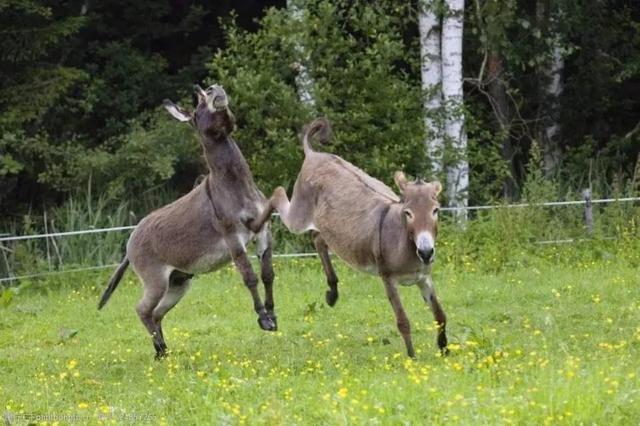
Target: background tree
[
  {"x": 458, "y": 169},
  {"x": 304, "y": 82},
  {"x": 493, "y": 18},
  {"x": 82, "y": 82},
  {"x": 549, "y": 15},
  {"x": 363, "y": 73},
  {"x": 430, "y": 29}
]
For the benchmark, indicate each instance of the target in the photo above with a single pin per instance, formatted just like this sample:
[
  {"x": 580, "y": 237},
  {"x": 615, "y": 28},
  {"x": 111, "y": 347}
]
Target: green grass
[{"x": 558, "y": 345}]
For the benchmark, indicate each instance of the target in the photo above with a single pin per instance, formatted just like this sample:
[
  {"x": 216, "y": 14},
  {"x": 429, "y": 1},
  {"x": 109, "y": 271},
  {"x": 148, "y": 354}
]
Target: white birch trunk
[
  {"x": 552, "y": 127},
  {"x": 304, "y": 82},
  {"x": 431, "y": 73},
  {"x": 458, "y": 171}
]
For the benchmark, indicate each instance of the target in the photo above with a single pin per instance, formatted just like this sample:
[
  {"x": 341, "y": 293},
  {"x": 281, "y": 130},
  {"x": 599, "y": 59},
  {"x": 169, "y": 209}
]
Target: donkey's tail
[
  {"x": 319, "y": 126},
  {"x": 114, "y": 281}
]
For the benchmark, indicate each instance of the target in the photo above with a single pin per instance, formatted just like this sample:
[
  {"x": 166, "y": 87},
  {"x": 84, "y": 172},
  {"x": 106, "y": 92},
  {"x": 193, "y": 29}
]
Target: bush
[{"x": 360, "y": 84}]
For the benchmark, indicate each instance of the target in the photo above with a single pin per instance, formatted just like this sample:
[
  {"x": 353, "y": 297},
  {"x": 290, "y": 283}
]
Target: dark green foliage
[
  {"x": 80, "y": 90},
  {"x": 360, "y": 83},
  {"x": 602, "y": 98},
  {"x": 82, "y": 83}
]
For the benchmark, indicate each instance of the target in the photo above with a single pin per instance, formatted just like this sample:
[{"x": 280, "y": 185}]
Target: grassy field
[{"x": 554, "y": 345}]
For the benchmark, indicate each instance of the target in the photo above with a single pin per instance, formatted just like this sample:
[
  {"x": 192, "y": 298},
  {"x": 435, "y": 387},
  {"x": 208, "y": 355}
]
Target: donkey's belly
[
  {"x": 356, "y": 254},
  {"x": 359, "y": 259},
  {"x": 211, "y": 261},
  {"x": 371, "y": 269},
  {"x": 410, "y": 279},
  {"x": 217, "y": 256}
]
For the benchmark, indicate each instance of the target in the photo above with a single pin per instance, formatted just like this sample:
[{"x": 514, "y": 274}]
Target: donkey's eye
[
  {"x": 408, "y": 214},
  {"x": 435, "y": 211}
]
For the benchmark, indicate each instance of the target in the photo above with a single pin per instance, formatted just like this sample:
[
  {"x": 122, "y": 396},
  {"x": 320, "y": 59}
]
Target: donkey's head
[
  {"x": 212, "y": 117},
  {"x": 420, "y": 209}
]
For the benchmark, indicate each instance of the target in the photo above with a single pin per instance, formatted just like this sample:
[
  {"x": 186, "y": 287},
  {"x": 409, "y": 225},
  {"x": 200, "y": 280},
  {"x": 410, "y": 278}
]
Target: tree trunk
[
  {"x": 551, "y": 82},
  {"x": 431, "y": 73},
  {"x": 553, "y": 90},
  {"x": 304, "y": 82},
  {"x": 458, "y": 170},
  {"x": 500, "y": 104}
]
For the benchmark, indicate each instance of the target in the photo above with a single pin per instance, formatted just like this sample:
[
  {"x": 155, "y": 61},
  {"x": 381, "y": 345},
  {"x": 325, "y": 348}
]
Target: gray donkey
[
  {"x": 365, "y": 223},
  {"x": 203, "y": 230}
]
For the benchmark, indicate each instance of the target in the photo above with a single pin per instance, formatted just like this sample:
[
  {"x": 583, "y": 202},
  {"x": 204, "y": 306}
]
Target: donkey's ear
[
  {"x": 202, "y": 95},
  {"x": 401, "y": 180},
  {"x": 177, "y": 112},
  {"x": 437, "y": 186}
]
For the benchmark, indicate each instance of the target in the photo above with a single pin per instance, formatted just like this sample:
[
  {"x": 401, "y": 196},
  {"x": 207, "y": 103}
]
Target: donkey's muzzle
[{"x": 426, "y": 256}]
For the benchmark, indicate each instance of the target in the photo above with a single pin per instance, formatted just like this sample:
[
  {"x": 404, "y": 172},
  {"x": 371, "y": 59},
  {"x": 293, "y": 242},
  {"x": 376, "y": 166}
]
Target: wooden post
[{"x": 588, "y": 211}]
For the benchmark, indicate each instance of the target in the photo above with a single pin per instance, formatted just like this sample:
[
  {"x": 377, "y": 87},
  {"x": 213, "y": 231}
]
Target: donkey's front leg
[
  {"x": 401, "y": 317},
  {"x": 429, "y": 296},
  {"x": 239, "y": 256},
  {"x": 264, "y": 250}
]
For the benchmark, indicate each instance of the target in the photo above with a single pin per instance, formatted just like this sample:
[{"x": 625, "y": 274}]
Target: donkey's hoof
[
  {"x": 267, "y": 324},
  {"x": 161, "y": 350},
  {"x": 274, "y": 319},
  {"x": 332, "y": 297},
  {"x": 442, "y": 343}
]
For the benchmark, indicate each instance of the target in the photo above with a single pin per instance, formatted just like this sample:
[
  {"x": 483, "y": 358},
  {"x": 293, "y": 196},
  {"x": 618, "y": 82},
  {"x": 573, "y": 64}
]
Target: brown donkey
[
  {"x": 366, "y": 224},
  {"x": 203, "y": 230}
]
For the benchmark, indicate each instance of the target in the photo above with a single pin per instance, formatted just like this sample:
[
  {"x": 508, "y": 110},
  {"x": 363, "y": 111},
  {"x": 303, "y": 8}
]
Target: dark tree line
[
  {"x": 79, "y": 78},
  {"x": 81, "y": 83}
]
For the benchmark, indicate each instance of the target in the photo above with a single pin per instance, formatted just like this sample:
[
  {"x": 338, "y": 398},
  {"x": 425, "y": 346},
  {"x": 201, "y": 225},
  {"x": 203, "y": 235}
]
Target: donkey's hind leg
[
  {"x": 264, "y": 251},
  {"x": 156, "y": 282},
  {"x": 179, "y": 283},
  {"x": 327, "y": 266},
  {"x": 297, "y": 214}
]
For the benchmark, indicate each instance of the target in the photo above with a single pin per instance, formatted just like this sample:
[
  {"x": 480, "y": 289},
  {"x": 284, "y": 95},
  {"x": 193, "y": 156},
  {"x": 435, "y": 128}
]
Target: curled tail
[
  {"x": 114, "y": 281},
  {"x": 320, "y": 126}
]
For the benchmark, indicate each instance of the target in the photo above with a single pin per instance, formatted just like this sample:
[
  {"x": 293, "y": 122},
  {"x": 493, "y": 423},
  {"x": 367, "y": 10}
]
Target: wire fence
[
  {"x": 7, "y": 237},
  {"x": 587, "y": 202},
  {"x": 113, "y": 265},
  {"x": 544, "y": 204}
]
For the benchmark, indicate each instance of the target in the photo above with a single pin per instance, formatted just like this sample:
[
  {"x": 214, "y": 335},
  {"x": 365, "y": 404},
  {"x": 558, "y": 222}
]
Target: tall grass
[
  {"x": 503, "y": 238},
  {"x": 81, "y": 211},
  {"x": 55, "y": 253},
  {"x": 90, "y": 249},
  {"x": 491, "y": 240}
]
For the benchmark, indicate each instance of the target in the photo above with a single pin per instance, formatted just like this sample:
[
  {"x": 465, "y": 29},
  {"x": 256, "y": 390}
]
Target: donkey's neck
[
  {"x": 226, "y": 163},
  {"x": 395, "y": 247}
]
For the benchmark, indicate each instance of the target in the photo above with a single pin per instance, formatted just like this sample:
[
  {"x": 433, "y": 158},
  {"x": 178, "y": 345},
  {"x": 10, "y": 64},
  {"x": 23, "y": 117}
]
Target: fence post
[{"x": 588, "y": 210}]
